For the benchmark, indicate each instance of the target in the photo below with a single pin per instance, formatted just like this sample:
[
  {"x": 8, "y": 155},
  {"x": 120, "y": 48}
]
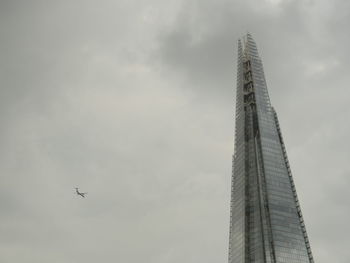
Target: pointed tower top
[{"x": 249, "y": 46}]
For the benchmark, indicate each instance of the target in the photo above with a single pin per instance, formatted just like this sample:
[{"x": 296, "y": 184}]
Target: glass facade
[{"x": 266, "y": 224}]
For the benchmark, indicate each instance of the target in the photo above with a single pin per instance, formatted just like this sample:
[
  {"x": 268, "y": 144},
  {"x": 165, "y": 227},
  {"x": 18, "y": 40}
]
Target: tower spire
[{"x": 266, "y": 224}]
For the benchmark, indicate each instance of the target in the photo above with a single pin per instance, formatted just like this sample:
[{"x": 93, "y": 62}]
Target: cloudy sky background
[{"x": 133, "y": 101}]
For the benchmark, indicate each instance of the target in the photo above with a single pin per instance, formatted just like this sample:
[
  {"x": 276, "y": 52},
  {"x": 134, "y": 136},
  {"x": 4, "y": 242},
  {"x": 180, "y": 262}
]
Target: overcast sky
[{"x": 133, "y": 102}]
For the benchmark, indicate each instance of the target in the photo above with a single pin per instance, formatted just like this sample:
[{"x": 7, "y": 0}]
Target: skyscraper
[{"x": 266, "y": 224}]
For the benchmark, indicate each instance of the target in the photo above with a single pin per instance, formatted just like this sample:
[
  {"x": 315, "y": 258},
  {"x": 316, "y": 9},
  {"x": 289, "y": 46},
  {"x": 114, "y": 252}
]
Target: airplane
[{"x": 79, "y": 193}]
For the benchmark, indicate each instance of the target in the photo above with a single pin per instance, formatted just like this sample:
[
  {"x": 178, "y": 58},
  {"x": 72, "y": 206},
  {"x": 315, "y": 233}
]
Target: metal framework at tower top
[{"x": 266, "y": 224}]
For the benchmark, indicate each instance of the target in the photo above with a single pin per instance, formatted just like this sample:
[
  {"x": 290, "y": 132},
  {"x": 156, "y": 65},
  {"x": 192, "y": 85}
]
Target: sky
[{"x": 133, "y": 102}]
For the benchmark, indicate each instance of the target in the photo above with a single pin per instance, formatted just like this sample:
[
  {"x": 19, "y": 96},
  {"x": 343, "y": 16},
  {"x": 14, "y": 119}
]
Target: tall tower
[{"x": 266, "y": 224}]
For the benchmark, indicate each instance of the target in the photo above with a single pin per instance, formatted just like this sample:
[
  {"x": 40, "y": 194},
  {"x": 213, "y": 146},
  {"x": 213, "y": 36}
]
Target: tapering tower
[{"x": 266, "y": 224}]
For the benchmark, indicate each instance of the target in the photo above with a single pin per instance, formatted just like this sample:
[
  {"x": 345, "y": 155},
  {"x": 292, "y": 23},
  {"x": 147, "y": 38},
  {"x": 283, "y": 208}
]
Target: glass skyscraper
[{"x": 266, "y": 224}]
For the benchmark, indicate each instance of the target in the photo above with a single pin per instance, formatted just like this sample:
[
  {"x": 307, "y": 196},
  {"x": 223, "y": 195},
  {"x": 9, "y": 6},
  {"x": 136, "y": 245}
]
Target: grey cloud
[{"x": 133, "y": 102}]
